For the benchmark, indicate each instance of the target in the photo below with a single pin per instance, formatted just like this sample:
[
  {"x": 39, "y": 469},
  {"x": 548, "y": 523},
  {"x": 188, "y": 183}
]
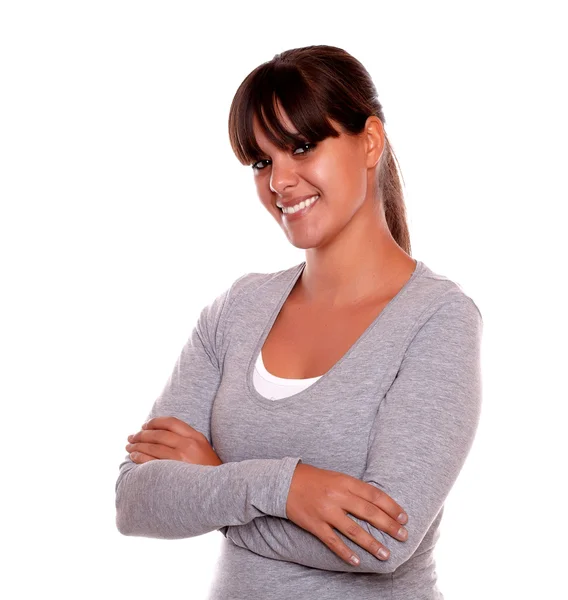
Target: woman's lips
[{"x": 299, "y": 213}]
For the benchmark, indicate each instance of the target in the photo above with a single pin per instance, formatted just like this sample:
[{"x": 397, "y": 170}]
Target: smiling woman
[
  {"x": 317, "y": 416},
  {"x": 299, "y": 121}
]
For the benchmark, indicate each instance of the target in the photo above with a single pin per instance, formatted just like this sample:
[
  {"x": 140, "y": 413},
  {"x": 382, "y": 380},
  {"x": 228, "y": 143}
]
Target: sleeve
[
  {"x": 172, "y": 499},
  {"x": 419, "y": 441}
]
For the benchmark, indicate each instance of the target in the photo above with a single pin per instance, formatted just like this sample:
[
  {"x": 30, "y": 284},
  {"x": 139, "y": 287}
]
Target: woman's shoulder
[
  {"x": 264, "y": 283},
  {"x": 439, "y": 290},
  {"x": 256, "y": 287}
]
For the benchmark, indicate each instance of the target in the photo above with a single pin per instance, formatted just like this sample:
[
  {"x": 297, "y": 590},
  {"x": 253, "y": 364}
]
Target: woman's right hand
[{"x": 319, "y": 499}]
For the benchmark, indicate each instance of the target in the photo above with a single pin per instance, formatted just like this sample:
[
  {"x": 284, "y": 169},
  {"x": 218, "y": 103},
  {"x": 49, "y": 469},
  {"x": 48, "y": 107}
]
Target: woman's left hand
[{"x": 171, "y": 438}]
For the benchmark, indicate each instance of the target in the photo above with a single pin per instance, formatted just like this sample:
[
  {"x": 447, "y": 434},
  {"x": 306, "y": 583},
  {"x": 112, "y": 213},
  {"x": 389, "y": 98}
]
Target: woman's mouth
[{"x": 300, "y": 209}]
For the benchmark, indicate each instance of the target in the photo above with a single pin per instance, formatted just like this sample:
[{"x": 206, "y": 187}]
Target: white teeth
[{"x": 302, "y": 204}]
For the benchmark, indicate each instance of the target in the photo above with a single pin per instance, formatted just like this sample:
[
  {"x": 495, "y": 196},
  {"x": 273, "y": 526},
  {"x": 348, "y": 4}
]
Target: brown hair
[{"x": 313, "y": 83}]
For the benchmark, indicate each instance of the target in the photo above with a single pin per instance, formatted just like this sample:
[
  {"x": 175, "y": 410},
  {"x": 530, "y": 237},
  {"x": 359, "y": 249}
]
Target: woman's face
[{"x": 335, "y": 169}]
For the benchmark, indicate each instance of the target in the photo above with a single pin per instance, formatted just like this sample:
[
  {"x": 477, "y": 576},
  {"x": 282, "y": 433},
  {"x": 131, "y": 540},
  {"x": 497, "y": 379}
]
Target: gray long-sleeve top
[{"x": 398, "y": 411}]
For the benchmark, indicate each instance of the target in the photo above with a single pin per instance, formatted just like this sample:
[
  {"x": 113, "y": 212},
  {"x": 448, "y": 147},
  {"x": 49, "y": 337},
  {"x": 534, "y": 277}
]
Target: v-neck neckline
[{"x": 307, "y": 392}]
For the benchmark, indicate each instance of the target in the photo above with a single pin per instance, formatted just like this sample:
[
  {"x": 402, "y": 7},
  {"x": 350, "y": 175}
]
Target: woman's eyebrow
[{"x": 290, "y": 145}]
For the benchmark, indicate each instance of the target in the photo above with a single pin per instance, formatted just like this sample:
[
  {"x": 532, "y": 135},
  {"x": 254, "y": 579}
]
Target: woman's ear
[{"x": 375, "y": 140}]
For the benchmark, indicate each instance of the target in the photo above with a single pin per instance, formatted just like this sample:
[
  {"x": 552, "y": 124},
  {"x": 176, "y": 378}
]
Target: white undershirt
[{"x": 275, "y": 388}]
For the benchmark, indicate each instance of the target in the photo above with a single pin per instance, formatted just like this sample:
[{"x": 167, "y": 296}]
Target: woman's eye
[
  {"x": 307, "y": 147},
  {"x": 256, "y": 167},
  {"x": 304, "y": 147}
]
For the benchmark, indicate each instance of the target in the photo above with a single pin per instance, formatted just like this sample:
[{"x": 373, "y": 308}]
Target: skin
[
  {"x": 349, "y": 251},
  {"x": 171, "y": 438}
]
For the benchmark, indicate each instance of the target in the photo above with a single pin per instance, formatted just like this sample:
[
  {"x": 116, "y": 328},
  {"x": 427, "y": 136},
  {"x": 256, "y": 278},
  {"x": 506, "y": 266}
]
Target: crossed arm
[{"x": 420, "y": 438}]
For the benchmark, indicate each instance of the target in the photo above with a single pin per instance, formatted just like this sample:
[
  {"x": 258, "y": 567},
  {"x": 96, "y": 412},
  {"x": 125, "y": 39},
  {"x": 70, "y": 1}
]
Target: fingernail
[
  {"x": 383, "y": 553},
  {"x": 402, "y": 518},
  {"x": 355, "y": 560}
]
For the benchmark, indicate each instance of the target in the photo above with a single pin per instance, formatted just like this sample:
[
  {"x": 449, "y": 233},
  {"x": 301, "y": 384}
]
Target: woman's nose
[{"x": 283, "y": 176}]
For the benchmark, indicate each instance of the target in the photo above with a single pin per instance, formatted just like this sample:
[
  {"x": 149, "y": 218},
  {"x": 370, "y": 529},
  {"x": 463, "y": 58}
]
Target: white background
[{"x": 124, "y": 212}]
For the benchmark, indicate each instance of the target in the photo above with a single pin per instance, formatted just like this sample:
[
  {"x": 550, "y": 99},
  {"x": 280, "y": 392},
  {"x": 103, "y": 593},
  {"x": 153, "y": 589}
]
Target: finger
[
  {"x": 171, "y": 424},
  {"x": 336, "y": 545},
  {"x": 369, "y": 512},
  {"x": 362, "y": 538},
  {"x": 155, "y": 450},
  {"x": 157, "y": 436},
  {"x": 379, "y": 498},
  {"x": 140, "y": 457}
]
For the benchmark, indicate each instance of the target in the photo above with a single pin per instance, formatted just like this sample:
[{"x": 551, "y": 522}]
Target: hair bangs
[{"x": 282, "y": 84}]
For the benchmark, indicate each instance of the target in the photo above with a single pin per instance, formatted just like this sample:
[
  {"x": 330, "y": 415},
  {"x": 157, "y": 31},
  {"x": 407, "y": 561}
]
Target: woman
[{"x": 316, "y": 410}]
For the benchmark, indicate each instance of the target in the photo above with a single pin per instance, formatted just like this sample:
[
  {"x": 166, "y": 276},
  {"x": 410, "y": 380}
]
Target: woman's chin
[{"x": 302, "y": 242}]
